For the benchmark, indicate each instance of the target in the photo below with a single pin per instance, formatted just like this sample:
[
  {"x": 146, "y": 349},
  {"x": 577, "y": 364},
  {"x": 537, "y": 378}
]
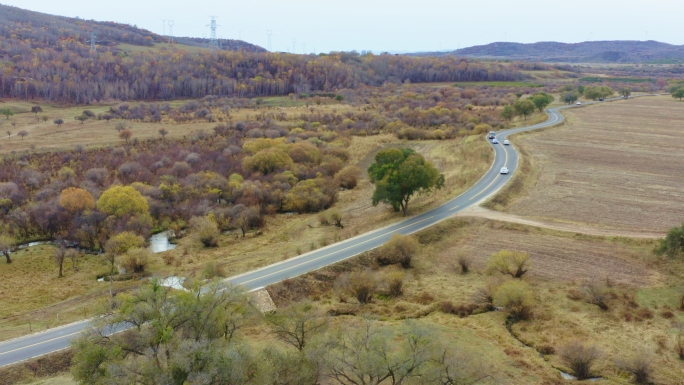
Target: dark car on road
[{"x": 491, "y": 135}]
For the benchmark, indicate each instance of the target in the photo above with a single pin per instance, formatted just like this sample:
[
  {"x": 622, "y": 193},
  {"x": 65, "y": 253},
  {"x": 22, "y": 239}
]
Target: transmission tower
[
  {"x": 294, "y": 42},
  {"x": 93, "y": 36},
  {"x": 269, "y": 33},
  {"x": 164, "y": 27},
  {"x": 213, "y": 42},
  {"x": 304, "y": 48},
  {"x": 171, "y": 23}
]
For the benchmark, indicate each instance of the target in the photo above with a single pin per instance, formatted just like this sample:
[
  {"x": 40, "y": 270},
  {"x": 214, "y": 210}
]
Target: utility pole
[
  {"x": 93, "y": 41},
  {"x": 213, "y": 42},
  {"x": 294, "y": 50},
  {"x": 171, "y": 23},
  {"x": 269, "y": 33},
  {"x": 304, "y": 48},
  {"x": 163, "y": 27}
]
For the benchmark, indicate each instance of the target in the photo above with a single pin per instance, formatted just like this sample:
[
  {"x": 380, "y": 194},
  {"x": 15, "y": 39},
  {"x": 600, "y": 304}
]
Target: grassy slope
[{"x": 639, "y": 285}]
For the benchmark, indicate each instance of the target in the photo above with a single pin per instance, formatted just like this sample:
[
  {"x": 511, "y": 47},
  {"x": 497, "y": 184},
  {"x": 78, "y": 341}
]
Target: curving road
[{"x": 56, "y": 339}]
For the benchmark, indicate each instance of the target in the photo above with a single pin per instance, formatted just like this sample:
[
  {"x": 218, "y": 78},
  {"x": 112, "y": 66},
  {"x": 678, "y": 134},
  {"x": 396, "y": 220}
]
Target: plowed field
[
  {"x": 618, "y": 164},
  {"x": 557, "y": 256}
]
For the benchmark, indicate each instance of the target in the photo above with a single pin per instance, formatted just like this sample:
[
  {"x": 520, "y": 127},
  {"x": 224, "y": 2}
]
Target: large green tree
[
  {"x": 508, "y": 112},
  {"x": 596, "y": 92},
  {"x": 570, "y": 97},
  {"x": 524, "y": 107},
  {"x": 399, "y": 174},
  {"x": 678, "y": 93},
  {"x": 673, "y": 243},
  {"x": 541, "y": 100},
  {"x": 7, "y": 112}
]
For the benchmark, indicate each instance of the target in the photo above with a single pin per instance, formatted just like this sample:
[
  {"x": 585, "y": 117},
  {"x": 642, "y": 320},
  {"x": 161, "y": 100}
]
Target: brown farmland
[
  {"x": 557, "y": 256},
  {"x": 613, "y": 165}
]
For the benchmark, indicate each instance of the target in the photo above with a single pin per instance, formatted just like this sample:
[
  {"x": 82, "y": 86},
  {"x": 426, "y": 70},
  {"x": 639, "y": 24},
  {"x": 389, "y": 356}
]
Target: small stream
[
  {"x": 159, "y": 243},
  {"x": 564, "y": 375}
]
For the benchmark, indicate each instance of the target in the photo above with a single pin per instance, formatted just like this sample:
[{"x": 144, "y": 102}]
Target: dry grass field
[
  {"x": 642, "y": 300},
  {"x": 614, "y": 164},
  {"x": 47, "y": 136}
]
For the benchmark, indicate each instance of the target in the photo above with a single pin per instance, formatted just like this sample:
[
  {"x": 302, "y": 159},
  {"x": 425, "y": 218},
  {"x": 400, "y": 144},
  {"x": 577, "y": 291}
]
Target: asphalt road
[{"x": 56, "y": 339}]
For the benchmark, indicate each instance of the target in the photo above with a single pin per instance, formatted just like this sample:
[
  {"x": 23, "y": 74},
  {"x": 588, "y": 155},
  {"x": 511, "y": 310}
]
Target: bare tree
[
  {"x": 22, "y": 133},
  {"x": 75, "y": 258},
  {"x": 9, "y": 133},
  {"x": 298, "y": 323},
  {"x": 456, "y": 367},
  {"x": 596, "y": 294},
  {"x": 370, "y": 355},
  {"x": 638, "y": 365},
  {"x": 360, "y": 284},
  {"x": 464, "y": 261},
  {"x": 60, "y": 255},
  {"x": 163, "y": 132},
  {"x": 580, "y": 358},
  {"x": 121, "y": 126},
  {"x": 6, "y": 245}
]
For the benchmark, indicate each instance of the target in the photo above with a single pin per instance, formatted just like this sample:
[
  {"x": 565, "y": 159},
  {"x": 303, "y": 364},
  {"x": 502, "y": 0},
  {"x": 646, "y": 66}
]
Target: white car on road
[
  {"x": 579, "y": 103},
  {"x": 504, "y": 170},
  {"x": 495, "y": 141},
  {"x": 506, "y": 142}
]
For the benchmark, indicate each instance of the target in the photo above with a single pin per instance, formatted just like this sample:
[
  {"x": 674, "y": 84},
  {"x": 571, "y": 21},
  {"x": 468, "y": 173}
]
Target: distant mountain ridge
[
  {"x": 621, "y": 51},
  {"x": 42, "y": 30}
]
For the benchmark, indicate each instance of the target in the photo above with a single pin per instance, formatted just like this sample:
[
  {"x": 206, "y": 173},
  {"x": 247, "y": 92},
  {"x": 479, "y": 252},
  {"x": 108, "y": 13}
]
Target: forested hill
[
  {"x": 44, "y": 31},
  {"x": 47, "y": 58},
  {"x": 586, "y": 52}
]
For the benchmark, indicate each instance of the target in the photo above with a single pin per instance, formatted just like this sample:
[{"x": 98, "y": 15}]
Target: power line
[
  {"x": 269, "y": 33},
  {"x": 213, "y": 42},
  {"x": 171, "y": 23},
  {"x": 93, "y": 35}
]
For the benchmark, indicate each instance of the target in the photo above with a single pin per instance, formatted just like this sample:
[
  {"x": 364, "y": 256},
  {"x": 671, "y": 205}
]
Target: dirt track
[{"x": 481, "y": 212}]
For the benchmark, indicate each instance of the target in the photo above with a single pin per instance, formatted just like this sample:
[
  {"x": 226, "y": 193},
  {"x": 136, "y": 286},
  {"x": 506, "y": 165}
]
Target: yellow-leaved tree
[{"x": 123, "y": 200}]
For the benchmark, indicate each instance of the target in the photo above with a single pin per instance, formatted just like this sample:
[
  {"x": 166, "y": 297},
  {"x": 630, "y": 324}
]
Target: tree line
[{"x": 69, "y": 72}]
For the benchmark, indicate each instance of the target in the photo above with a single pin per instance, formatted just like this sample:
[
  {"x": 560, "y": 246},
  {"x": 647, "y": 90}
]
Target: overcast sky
[{"x": 397, "y": 25}]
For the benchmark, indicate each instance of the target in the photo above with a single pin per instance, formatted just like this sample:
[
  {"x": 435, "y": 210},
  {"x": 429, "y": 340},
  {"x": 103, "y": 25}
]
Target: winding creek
[{"x": 159, "y": 243}]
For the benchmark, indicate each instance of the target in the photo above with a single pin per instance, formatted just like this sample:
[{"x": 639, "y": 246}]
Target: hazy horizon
[{"x": 401, "y": 27}]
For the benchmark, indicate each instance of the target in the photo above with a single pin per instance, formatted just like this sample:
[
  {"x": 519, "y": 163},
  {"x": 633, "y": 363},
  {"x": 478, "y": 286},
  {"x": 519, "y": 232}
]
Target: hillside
[
  {"x": 49, "y": 58},
  {"x": 44, "y": 30},
  {"x": 585, "y": 52}
]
